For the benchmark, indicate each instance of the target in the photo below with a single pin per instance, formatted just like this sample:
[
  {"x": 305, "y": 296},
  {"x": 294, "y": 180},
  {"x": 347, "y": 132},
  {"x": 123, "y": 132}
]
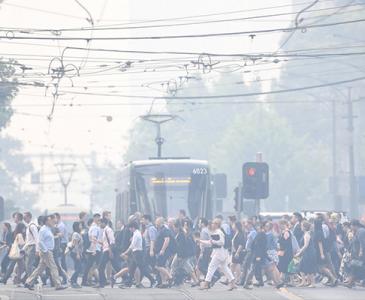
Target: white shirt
[
  {"x": 221, "y": 253},
  {"x": 95, "y": 235},
  {"x": 136, "y": 243},
  {"x": 108, "y": 238},
  {"x": 31, "y": 235}
]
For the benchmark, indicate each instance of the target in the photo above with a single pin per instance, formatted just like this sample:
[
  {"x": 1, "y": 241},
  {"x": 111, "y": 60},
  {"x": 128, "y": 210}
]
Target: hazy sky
[{"x": 80, "y": 130}]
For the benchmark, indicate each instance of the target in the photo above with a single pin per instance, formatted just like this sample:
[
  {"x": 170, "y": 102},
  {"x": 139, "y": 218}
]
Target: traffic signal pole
[{"x": 258, "y": 201}]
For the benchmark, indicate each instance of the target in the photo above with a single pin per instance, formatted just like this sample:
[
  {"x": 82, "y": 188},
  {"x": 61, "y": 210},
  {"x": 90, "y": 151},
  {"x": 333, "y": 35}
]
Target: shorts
[{"x": 161, "y": 260}]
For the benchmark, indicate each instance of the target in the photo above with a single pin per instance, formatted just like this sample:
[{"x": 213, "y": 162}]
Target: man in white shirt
[
  {"x": 136, "y": 251},
  {"x": 30, "y": 248},
  {"x": 94, "y": 251},
  {"x": 108, "y": 242}
]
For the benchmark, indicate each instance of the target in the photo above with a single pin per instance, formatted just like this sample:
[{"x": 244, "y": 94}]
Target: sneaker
[
  {"x": 258, "y": 284},
  {"x": 29, "y": 287},
  {"x": 75, "y": 286},
  {"x": 61, "y": 287}
]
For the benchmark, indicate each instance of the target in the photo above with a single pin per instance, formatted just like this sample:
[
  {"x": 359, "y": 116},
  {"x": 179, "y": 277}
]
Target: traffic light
[{"x": 255, "y": 180}]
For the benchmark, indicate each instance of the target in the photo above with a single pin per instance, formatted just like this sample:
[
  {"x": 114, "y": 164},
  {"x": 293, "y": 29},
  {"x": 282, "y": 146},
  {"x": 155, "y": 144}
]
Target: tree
[{"x": 13, "y": 165}]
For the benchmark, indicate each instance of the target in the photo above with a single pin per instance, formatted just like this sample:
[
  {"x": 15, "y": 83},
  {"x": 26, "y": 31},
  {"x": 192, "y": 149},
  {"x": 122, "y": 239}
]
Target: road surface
[{"x": 217, "y": 293}]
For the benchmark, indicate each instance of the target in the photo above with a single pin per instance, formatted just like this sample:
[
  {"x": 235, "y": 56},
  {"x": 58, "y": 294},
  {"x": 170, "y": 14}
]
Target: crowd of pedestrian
[{"x": 251, "y": 252}]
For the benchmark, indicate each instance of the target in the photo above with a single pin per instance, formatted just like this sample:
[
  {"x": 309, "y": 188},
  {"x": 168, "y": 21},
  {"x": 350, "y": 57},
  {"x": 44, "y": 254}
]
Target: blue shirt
[
  {"x": 150, "y": 234},
  {"x": 45, "y": 239},
  {"x": 63, "y": 230},
  {"x": 95, "y": 235}
]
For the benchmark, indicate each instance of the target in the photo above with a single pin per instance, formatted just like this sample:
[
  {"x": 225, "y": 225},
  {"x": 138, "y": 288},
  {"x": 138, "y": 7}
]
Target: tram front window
[{"x": 167, "y": 188}]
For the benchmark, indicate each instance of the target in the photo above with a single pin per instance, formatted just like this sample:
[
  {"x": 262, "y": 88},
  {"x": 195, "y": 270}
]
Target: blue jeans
[{"x": 77, "y": 267}]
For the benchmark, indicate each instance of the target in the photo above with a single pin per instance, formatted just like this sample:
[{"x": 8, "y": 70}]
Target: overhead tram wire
[
  {"x": 220, "y": 96},
  {"x": 174, "y": 18},
  {"x": 104, "y": 28},
  {"x": 204, "y": 35}
]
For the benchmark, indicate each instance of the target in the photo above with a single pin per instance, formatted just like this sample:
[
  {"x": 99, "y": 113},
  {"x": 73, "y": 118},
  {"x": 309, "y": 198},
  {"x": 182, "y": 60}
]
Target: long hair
[
  {"x": 76, "y": 227},
  {"x": 20, "y": 228}
]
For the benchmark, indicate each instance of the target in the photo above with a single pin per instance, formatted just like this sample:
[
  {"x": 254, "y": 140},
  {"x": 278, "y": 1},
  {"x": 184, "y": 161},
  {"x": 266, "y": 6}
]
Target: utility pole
[
  {"x": 354, "y": 207},
  {"x": 336, "y": 200}
]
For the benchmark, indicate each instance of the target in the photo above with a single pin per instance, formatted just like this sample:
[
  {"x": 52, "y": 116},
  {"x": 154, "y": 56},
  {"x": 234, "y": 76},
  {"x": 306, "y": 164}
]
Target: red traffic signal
[
  {"x": 251, "y": 171},
  {"x": 255, "y": 180}
]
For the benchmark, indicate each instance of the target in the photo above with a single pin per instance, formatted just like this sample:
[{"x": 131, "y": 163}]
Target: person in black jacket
[
  {"x": 259, "y": 252},
  {"x": 296, "y": 221},
  {"x": 185, "y": 252}
]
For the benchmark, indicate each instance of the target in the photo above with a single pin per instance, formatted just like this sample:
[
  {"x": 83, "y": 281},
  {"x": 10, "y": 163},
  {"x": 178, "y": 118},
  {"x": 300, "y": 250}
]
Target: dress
[
  {"x": 238, "y": 240},
  {"x": 286, "y": 248},
  {"x": 308, "y": 264}
]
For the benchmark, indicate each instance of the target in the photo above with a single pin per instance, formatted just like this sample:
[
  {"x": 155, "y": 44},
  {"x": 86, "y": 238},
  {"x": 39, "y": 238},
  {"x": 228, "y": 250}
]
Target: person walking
[
  {"x": 238, "y": 250},
  {"x": 31, "y": 240},
  {"x": 6, "y": 242},
  {"x": 320, "y": 244},
  {"x": 164, "y": 250},
  {"x": 308, "y": 264},
  {"x": 285, "y": 249},
  {"x": 149, "y": 236},
  {"x": 137, "y": 261},
  {"x": 108, "y": 242},
  {"x": 46, "y": 246},
  {"x": 76, "y": 253},
  {"x": 220, "y": 256},
  {"x": 63, "y": 235},
  {"x": 16, "y": 255},
  {"x": 93, "y": 253}
]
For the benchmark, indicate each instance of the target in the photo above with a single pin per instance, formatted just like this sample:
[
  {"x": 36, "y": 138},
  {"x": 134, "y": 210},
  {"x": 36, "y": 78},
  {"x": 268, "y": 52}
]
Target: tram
[{"x": 163, "y": 186}]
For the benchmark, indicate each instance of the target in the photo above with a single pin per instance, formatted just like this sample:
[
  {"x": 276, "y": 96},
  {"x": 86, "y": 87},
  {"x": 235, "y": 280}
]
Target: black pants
[
  {"x": 63, "y": 257},
  {"x": 90, "y": 261},
  {"x": 138, "y": 262},
  {"x": 105, "y": 258}
]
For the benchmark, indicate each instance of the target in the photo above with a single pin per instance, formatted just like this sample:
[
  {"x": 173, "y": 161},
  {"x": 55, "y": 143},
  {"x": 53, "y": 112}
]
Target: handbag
[
  {"x": 14, "y": 253},
  {"x": 293, "y": 267}
]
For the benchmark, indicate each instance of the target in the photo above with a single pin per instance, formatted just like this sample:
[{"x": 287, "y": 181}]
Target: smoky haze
[{"x": 241, "y": 76}]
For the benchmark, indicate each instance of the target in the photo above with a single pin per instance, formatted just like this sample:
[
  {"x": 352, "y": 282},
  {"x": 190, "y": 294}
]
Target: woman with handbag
[
  {"x": 308, "y": 262},
  {"x": 16, "y": 255}
]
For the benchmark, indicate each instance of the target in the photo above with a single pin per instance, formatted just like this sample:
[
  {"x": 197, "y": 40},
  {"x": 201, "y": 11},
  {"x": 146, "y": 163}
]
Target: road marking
[
  {"x": 3, "y": 297},
  {"x": 70, "y": 295},
  {"x": 288, "y": 295}
]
